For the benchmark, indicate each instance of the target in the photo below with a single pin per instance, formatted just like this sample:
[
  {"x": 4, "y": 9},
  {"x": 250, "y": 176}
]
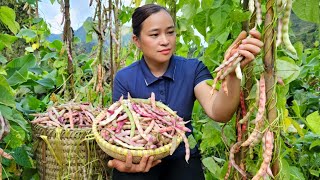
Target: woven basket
[
  {"x": 68, "y": 154},
  {"x": 120, "y": 153}
]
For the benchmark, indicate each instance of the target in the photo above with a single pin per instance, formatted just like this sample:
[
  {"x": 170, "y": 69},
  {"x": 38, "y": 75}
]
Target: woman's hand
[
  {"x": 247, "y": 46},
  {"x": 146, "y": 163}
]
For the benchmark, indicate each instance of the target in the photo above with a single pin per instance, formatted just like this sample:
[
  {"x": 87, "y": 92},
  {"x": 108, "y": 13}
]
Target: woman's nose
[{"x": 164, "y": 40}]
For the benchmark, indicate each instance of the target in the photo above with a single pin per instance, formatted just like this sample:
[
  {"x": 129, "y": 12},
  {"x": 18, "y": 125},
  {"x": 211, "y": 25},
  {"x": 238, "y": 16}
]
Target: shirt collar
[{"x": 149, "y": 78}]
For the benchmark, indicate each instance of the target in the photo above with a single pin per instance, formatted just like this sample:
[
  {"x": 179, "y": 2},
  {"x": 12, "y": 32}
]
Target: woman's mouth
[{"x": 165, "y": 51}]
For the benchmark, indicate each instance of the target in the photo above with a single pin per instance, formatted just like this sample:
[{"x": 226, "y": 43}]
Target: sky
[{"x": 79, "y": 11}]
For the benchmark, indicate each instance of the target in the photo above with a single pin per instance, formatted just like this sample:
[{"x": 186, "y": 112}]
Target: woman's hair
[{"x": 142, "y": 13}]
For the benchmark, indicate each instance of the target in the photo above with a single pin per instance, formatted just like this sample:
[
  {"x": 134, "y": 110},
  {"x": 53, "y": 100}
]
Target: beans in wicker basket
[
  {"x": 70, "y": 115},
  {"x": 142, "y": 124}
]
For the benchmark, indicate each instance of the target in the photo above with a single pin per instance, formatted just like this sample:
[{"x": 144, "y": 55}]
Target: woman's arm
[{"x": 220, "y": 106}]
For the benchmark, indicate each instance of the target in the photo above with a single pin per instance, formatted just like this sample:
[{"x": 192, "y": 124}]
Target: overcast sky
[{"x": 79, "y": 11}]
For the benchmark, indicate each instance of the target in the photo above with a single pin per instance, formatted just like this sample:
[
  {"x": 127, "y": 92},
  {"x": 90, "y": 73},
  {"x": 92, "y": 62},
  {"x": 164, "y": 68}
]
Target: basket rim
[
  {"x": 124, "y": 151},
  {"x": 64, "y": 129}
]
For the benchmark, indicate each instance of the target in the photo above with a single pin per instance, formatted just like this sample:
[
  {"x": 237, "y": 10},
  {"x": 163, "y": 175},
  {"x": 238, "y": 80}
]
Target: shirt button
[{"x": 161, "y": 92}]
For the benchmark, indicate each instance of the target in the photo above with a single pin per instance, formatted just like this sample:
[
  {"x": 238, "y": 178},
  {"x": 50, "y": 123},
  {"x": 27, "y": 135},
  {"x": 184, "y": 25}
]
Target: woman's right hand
[{"x": 146, "y": 163}]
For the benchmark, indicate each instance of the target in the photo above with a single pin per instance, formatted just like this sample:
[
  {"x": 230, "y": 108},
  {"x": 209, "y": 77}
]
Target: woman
[{"x": 177, "y": 82}]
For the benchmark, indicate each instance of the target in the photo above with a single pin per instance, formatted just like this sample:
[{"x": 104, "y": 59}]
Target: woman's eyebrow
[{"x": 157, "y": 29}]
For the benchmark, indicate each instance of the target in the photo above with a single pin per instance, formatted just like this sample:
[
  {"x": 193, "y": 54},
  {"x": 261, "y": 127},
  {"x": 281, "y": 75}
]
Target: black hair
[{"x": 142, "y": 13}]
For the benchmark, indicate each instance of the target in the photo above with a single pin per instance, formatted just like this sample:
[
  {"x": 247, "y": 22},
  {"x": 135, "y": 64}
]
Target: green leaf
[
  {"x": 223, "y": 37},
  {"x": 17, "y": 69},
  {"x": 33, "y": 2},
  {"x": 239, "y": 16},
  {"x": 290, "y": 172},
  {"x": 46, "y": 82},
  {"x": 307, "y": 10},
  {"x": 8, "y": 17},
  {"x": 29, "y": 49},
  {"x": 313, "y": 121},
  {"x": 6, "y": 93},
  {"x": 88, "y": 26},
  {"x": 192, "y": 141},
  {"x": 315, "y": 172},
  {"x": 201, "y": 21},
  {"x": 287, "y": 69},
  {"x": 206, "y": 4},
  {"x": 50, "y": 56},
  {"x": 16, "y": 137},
  {"x": 295, "y": 107},
  {"x": 56, "y": 44},
  {"x": 314, "y": 144},
  {"x": 76, "y": 40},
  {"x": 14, "y": 116},
  {"x": 22, "y": 158},
  {"x": 3, "y": 71},
  {"x": 59, "y": 63},
  {"x": 188, "y": 11},
  {"x": 88, "y": 37},
  {"x": 3, "y": 59},
  {"x": 211, "y": 135},
  {"x": 220, "y": 18},
  {"x": 33, "y": 103},
  {"x": 6, "y": 41},
  {"x": 212, "y": 166},
  {"x": 296, "y": 174},
  {"x": 27, "y": 33}
]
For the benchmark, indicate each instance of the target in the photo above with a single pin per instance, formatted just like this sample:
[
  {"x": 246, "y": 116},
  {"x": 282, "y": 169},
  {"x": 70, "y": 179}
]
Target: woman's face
[{"x": 157, "y": 38}]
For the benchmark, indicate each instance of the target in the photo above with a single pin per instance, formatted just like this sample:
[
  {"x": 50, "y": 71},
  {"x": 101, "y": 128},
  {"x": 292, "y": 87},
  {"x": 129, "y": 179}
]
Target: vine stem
[{"x": 269, "y": 61}]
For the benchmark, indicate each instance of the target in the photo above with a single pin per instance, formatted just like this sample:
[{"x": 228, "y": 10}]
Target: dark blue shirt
[{"x": 175, "y": 88}]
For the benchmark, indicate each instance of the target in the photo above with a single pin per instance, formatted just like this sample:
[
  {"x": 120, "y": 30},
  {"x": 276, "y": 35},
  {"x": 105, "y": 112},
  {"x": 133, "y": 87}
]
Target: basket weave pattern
[
  {"x": 68, "y": 154},
  {"x": 120, "y": 153}
]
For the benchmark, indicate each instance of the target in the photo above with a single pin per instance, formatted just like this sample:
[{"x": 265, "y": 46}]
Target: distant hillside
[
  {"x": 306, "y": 32},
  {"x": 81, "y": 34}
]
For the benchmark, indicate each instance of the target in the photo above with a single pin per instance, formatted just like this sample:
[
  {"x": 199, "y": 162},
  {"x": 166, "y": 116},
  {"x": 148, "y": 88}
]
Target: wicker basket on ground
[{"x": 68, "y": 154}]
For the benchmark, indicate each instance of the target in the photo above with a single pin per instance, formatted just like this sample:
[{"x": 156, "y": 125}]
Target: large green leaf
[
  {"x": 16, "y": 137},
  {"x": 239, "y": 16},
  {"x": 22, "y": 158},
  {"x": 220, "y": 18},
  {"x": 192, "y": 141},
  {"x": 188, "y": 11},
  {"x": 46, "y": 82},
  {"x": 6, "y": 93},
  {"x": 212, "y": 166},
  {"x": 287, "y": 69},
  {"x": 14, "y": 116},
  {"x": 290, "y": 172},
  {"x": 205, "y": 4},
  {"x": 313, "y": 121},
  {"x": 56, "y": 44},
  {"x": 308, "y": 10},
  {"x": 201, "y": 22},
  {"x": 26, "y": 33},
  {"x": 17, "y": 69},
  {"x": 6, "y": 41},
  {"x": 211, "y": 135},
  {"x": 8, "y": 17}
]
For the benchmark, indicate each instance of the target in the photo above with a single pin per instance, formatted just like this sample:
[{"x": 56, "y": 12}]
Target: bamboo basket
[
  {"x": 120, "y": 153},
  {"x": 68, "y": 154}
]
